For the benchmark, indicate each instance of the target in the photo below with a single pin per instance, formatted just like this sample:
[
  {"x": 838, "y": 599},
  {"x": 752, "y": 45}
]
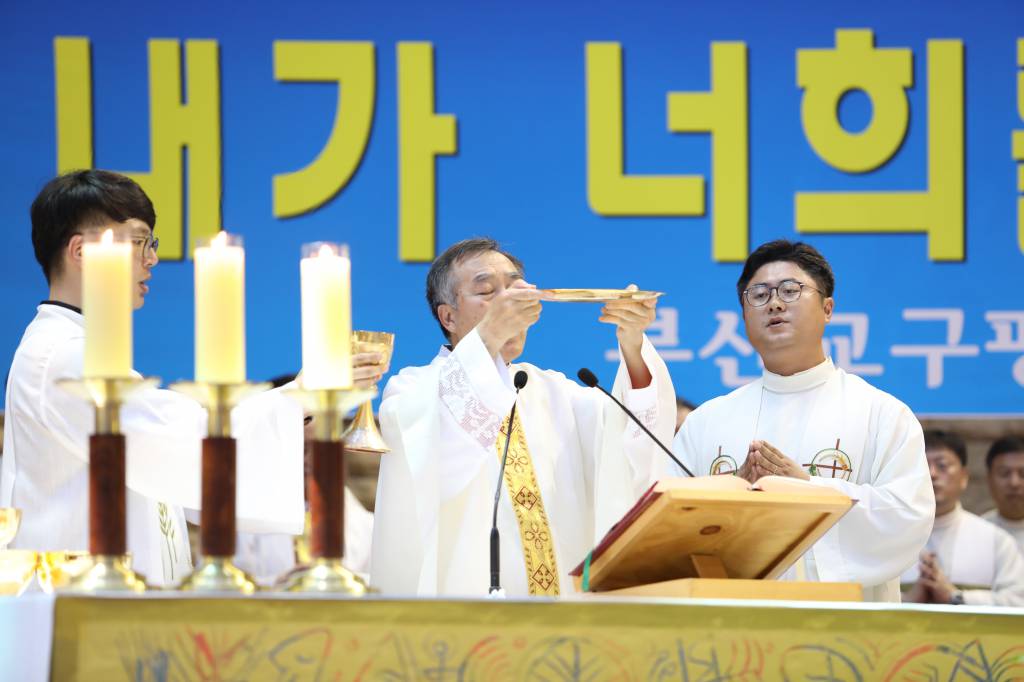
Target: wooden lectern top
[{"x": 696, "y": 527}]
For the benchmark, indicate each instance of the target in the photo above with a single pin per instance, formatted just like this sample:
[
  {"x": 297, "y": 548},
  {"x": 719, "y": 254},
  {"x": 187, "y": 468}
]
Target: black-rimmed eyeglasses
[{"x": 789, "y": 290}]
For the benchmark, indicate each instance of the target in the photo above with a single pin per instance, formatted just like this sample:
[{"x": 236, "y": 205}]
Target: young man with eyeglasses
[
  {"x": 45, "y": 463},
  {"x": 808, "y": 419}
]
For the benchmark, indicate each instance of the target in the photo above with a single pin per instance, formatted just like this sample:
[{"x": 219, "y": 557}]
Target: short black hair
[
  {"x": 79, "y": 199},
  {"x": 441, "y": 283},
  {"x": 938, "y": 439},
  {"x": 808, "y": 258},
  {"x": 1003, "y": 446}
]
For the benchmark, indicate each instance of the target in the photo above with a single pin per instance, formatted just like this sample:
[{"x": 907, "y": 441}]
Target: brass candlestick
[
  {"x": 325, "y": 493},
  {"x": 217, "y": 538},
  {"x": 109, "y": 568},
  {"x": 362, "y": 434}
]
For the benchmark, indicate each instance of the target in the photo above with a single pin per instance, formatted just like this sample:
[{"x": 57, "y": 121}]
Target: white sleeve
[
  {"x": 1008, "y": 583},
  {"x": 627, "y": 460},
  {"x": 883, "y": 533},
  {"x": 654, "y": 406},
  {"x": 163, "y": 431},
  {"x": 473, "y": 401}
]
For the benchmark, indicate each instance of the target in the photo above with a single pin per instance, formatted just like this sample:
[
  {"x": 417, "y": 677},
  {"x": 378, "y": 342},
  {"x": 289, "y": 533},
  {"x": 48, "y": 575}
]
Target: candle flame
[
  {"x": 325, "y": 251},
  {"x": 220, "y": 241},
  {"x": 107, "y": 237}
]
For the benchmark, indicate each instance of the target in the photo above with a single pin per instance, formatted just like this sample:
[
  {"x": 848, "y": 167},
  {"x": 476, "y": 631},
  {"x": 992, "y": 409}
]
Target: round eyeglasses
[
  {"x": 144, "y": 244},
  {"x": 789, "y": 290}
]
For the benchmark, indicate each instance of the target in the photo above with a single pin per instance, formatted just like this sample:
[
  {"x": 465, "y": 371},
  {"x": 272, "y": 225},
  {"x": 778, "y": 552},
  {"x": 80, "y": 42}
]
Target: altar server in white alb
[
  {"x": 967, "y": 559},
  {"x": 45, "y": 462},
  {"x": 574, "y": 464},
  {"x": 1005, "y": 465},
  {"x": 808, "y": 419}
]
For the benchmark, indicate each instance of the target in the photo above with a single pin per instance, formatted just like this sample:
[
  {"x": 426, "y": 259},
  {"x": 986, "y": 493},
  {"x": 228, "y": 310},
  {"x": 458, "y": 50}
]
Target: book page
[
  {"x": 793, "y": 486},
  {"x": 723, "y": 483}
]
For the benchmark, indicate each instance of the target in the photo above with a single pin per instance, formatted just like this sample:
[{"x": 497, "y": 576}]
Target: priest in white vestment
[
  {"x": 1005, "y": 466},
  {"x": 45, "y": 462},
  {"x": 967, "y": 559},
  {"x": 807, "y": 419},
  {"x": 574, "y": 464}
]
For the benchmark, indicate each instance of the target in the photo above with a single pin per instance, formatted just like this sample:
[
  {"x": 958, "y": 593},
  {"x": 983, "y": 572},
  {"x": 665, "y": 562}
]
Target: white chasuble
[
  {"x": 847, "y": 435},
  {"x": 45, "y": 463},
  {"x": 978, "y": 557},
  {"x": 436, "y": 488}
]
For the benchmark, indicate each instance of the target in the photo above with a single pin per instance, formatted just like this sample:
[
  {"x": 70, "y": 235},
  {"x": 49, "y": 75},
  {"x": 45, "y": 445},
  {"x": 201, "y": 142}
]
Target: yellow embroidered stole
[{"x": 534, "y": 531}]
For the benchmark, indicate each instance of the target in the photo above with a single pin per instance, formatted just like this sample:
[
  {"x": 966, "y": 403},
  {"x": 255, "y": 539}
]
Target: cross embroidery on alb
[{"x": 832, "y": 460}]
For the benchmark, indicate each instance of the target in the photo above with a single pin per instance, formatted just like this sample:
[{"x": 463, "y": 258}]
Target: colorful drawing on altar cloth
[
  {"x": 831, "y": 463},
  {"x": 319, "y": 654},
  {"x": 389, "y": 640}
]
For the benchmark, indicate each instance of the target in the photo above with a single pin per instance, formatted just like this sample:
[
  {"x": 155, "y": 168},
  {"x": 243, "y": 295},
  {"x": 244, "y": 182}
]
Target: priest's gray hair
[{"x": 441, "y": 284}]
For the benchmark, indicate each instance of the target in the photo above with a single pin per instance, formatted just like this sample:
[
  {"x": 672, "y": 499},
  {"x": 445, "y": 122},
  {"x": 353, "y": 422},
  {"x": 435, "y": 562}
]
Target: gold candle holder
[
  {"x": 325, "y": 493},
  {"x": 217, "y": 571},
  {"x": 109, "y": 568}
]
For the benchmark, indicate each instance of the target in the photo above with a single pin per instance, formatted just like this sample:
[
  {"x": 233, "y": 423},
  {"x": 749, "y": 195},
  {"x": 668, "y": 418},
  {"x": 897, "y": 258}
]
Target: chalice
[
  {"x": 362, "y": 434},
  {"x": 10, "y": 520}
]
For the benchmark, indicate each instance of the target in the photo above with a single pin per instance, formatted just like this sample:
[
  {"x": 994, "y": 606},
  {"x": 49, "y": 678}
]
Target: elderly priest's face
[{"x": 478, "y": 280}]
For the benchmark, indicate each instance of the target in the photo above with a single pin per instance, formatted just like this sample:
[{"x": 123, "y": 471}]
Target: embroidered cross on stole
[{"x": 534, "y": 531}]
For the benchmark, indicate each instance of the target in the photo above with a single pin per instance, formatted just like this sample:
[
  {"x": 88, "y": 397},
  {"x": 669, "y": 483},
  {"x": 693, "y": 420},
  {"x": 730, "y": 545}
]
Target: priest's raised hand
[
  {"x": 631, "y": 318},
  {"x": 509, "y": 313}
]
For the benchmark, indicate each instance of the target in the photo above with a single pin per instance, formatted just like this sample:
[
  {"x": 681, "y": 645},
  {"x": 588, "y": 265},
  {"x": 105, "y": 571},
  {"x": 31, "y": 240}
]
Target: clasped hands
[
  {"x": 932, "y": 586},
  {"x": 764, "y": 459},
  {"x": 515, "y": 309}
]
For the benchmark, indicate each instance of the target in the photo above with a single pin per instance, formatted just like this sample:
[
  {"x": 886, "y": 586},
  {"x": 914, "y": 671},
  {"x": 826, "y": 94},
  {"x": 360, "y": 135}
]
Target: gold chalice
[
  {"x": 57, "y": 568},
  {"x": 10, "y": 520},
  {"x": 362, "y": 434},
  {"x": 17, "y": 566}
]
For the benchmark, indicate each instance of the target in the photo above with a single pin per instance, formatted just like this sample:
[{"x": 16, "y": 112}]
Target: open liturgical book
[{"x": 686, "y": 535}]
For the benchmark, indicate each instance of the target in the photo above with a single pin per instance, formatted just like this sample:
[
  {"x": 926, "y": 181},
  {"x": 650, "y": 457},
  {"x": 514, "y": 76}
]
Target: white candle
[
  {"x": 326, "y": 316},
  {"x": 107, "y": 306},
  {"x": 220, "y": 310}
]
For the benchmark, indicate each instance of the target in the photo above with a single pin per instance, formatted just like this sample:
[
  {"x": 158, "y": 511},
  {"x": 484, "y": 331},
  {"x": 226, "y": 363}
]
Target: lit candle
[
  {"x": 107, "y": 305},
  {"x": 220, "y": 310},
  {"x": 326, "y": 316}
]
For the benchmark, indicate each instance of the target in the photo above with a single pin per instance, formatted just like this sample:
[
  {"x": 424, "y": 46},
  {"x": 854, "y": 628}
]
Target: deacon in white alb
[
  {"x": 45, "y": 462},
  {"x": 574, "y": 464},
  {"x": 967, "y": 559},
  {"x": 808, "y": 419},
  {"x": 1005, "y": 466}
]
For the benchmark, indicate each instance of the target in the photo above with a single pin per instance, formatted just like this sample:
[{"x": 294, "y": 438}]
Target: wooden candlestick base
[
  {"x": 325, "y": 492},
  {"x": 110, "y": 570},
  {"x": 110, "y": 567},
  {"x": 325, "y": 489},
  {"x": 107, "y": 517},
  {"x": 216, "y": 572}
]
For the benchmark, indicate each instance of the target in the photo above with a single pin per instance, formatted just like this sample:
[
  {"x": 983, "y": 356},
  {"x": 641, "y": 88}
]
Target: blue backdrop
[{"x": 944, "y": 332}]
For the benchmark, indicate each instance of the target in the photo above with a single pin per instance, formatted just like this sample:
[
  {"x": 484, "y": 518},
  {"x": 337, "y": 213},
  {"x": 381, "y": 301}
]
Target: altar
[{"x": 270, "y": 637}]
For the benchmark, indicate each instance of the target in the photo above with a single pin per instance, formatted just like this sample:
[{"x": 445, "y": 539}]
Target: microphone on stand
[
  {"x": 519, "y": 381},
  {"x": 588, "y": 378}
]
